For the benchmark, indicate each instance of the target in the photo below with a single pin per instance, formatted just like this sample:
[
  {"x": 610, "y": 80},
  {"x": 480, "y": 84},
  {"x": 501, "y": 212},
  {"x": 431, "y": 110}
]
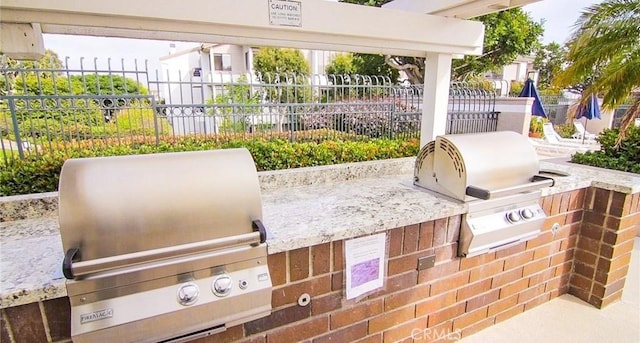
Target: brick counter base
[{"x": 587, "y": 256}]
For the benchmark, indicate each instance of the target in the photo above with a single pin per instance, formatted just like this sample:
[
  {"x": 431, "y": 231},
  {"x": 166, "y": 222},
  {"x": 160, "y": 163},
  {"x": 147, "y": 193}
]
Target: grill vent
[
  {"x": 455, "y": 156},
  {"x": 427, "y": 150}
]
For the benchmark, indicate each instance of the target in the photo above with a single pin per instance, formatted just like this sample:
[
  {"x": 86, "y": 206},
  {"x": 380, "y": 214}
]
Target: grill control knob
[
  {"x": 222, "y": 285},
  {"x": 513, "y": 217},
  {"x": 527, "y": 213},
  {"x": 188, "y": 294}
]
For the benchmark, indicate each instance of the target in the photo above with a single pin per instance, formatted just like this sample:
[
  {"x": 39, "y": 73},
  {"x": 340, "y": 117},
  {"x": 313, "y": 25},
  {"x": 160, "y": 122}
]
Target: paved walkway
[{"x": 567, "y": 319}]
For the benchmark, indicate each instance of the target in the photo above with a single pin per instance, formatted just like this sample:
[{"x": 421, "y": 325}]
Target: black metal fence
[{"x": 44, "y": 109}]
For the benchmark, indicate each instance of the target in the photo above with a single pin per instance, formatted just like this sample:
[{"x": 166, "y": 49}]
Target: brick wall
[{"x": 587, "y": 255}]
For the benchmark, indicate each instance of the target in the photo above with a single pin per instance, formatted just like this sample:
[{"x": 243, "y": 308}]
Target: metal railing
[{"x": 58, "y": 108}]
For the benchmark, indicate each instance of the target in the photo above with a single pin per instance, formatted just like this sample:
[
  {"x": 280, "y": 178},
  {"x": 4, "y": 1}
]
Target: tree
[
  {"x": 49, "y": 65},
  {"x": 271, "y": 61},
  {"x": 362, "y": 64},
  {"x": 605, "y": 50},
  {"x": 341, "y": 64},
  {"x": 508, "y": 34},
  {"x": 549, "y": 62}
]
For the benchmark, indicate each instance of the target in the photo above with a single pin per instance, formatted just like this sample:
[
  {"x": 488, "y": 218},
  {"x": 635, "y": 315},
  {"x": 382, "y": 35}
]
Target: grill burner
[
  {"x": 496, "y": 174},
  {"x": 163, "y": 247}
]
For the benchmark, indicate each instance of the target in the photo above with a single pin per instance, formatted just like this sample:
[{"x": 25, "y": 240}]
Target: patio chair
[
  {"x": 552, "y": 137},
  {"x": 581, "y": 132}
]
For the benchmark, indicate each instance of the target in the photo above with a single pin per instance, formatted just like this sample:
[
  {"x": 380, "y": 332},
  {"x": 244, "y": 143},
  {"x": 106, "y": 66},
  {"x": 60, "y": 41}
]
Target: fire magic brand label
[{"x": 98, "y": 315}]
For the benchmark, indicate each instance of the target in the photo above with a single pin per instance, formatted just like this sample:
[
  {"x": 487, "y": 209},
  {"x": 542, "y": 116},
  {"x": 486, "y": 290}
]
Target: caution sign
[{"x": 285, "y": 13}]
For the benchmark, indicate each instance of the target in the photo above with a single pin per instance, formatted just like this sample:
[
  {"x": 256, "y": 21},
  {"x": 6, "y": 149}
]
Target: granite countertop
[{"x": 300, "y": 208}]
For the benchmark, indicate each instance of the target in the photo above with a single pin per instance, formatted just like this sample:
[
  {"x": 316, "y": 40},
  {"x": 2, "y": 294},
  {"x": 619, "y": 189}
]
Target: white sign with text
[{"x": 285, "y": 13}]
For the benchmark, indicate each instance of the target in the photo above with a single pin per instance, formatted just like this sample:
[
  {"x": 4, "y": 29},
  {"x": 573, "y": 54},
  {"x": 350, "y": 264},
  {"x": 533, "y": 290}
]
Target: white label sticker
[{"x": 285, "y": 13}]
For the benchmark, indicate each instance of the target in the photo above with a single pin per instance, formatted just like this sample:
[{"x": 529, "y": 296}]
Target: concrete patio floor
[{"x": 568, "y": 319}]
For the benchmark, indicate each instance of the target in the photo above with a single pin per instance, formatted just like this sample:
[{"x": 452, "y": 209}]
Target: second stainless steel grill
[
  {"x": 496, "y": 174},
  {"x": 163, "y": 247}
]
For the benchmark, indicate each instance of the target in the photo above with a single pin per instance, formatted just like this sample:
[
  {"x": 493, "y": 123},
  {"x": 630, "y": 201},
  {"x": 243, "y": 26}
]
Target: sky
[{"x": 559, "y": 17}]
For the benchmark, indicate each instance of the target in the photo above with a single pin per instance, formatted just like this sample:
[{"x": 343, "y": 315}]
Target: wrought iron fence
[{"x": 45, "y": 109}]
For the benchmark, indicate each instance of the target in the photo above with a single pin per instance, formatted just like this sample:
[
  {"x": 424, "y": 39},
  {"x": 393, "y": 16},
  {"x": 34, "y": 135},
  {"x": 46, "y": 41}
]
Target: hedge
[
  {"x": 626, "y": 157},
  {"x": 37, "y": 174}
]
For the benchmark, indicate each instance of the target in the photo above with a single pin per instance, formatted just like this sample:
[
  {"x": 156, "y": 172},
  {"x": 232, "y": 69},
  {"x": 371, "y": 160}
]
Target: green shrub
[
  {"x": 626, "y": 158},
  {"x": 37, "y": 174},
  {"x": 565, "y": 130}
]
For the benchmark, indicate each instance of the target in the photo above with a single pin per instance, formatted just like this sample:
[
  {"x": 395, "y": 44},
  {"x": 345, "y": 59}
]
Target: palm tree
[{"x": 604, "y": 52}]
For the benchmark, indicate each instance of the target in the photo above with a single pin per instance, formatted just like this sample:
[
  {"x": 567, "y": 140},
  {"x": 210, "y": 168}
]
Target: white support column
[{"x": 435, "y": 96}]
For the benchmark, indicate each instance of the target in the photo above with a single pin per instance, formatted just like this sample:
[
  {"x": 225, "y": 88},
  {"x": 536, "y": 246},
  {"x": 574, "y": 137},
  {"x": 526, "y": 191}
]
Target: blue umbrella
[
  {"x": 529, "y": 91},
  {"x": 588, "y": 110}
]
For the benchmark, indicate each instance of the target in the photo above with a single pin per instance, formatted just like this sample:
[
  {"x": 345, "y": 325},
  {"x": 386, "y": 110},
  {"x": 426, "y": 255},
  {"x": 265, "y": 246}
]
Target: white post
[{"x": 437, "y": 77}]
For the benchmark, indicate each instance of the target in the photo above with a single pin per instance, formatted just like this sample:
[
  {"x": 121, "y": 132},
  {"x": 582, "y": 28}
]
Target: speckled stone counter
[{"x": 302, "y": 207}]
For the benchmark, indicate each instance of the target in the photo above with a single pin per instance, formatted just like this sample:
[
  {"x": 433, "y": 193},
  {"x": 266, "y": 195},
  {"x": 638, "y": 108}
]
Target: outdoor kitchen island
[{"x": 309, "y": 213}]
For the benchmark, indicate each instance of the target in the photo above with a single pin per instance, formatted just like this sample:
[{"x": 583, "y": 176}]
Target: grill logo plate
[{"x": 97, "y": 315}]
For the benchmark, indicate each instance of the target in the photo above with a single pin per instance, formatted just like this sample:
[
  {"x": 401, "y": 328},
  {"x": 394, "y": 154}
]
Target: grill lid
[
  {"x": 477, "y": 164},
  {"x": 126, "y": 205}
]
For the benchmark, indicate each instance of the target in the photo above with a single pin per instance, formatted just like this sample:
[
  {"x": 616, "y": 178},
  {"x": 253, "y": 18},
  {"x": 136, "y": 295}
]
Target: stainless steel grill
[
  {"x": 497, "y": 175},
  {"x": 163, "y": 247}
]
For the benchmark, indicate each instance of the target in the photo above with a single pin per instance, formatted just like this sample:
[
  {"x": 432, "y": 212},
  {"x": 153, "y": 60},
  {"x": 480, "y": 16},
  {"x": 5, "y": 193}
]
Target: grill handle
[
  {"x": 536, "y": 183},
  {"x": 72, "y": 269}
]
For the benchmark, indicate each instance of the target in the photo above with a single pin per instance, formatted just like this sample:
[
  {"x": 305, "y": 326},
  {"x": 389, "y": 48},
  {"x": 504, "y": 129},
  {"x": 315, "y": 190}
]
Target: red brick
[
  {"x": 232, "y": 334},
  {"x": 453, "y": 229},
  {"x": 518, "y": 260},
  {"x": 406, "y": 297},
  {"x": 473, "y": 289},
  {"x": 512, "y": 250},
  {"x": 440, "y": 333},
  {"x": 446, "y": 314},
  {"x": 405, "y": 263},
  {"x": 469, "y": 318},
  {"x": 562, "y": 257},
  {"x": 58, "y": 313},
  {"x": 479, "y": 326},
  {"x": 588, "y": 199},
  {"x": 601, "y": 200},
  {"x": 616, "y": 251},
  {"x": 530, "y": 293},
  {"x": 321, "y": 258},
  {"x": 410, "y": 241},
  {"x": 4, "y": 328},
  {"x": 376, "y": 338},
  {"x": 471, "y": 262},
  {"x": 585, "y": 257},
  {"x": 589, "y": 245},
  {"x": 26, "y": 323},
  {"x": 356, "y": 313},
  {"x": 338, "y": 255},
  {"x": 426, "y": 235},
  {"x": 502, "y": 305},
  {"x": 254, "y": 339},
  {"x": 397, "y": 283},
  {"x": 546, "y": 203},
  {"x": 620, "y": 204},
  {"x": 348, "y": 334},
  {"x": 541, "y": 277},
  {"x": 483, "y": 300},
  {"x": 435, "y": 303},
  {"x": 395, "y": 242},
  {"x": 546, "y": 250},
  {"x": 593, "y": 218},
  {"x": 405, "y": 330},
  {"x": 537, "y": 301},
  {"x": 576, "y": 201},
  {"x": 278, "y": 268},
  {"x": 277, "y": 318},
  {"x": 506, "y": 277},
  {"x": 289, "y": 294},
  {"x": 327, "y": 303},
  {"x": 616, "y": 263},
  {"x": 573, "y": 217},
  {"x": 535, "y": 266},
  {"x": 592, "y": 231},
  {"x": 446, "y": 252},
  {"x": 391, "y": 319},
  {"x": 486, "y": 271},
  {"x": 337, "y": 281},
  {"x": 452, "y": 282},
  {"x": 564, "y": 202},
  {"x": 298, "y": 264},
  {"x": 542, "y": 239},
  {"x": 300, "y": 331},
  {"x": 585, "y": 270},
  {"x": 555, "y": 204},
  {"x": 439, "y": 232},
  {"x": 564, "y": 268},
  {"x": 607, "y": 277},
  {"x": 513, "y": 288},
  {"x": 440, "y": 270},
  {"x": 602, "y": 303},
  {"x": 553, "y": 284},
  {"x": 509, "y": 313},
  {"x": 617, "y": 237}
]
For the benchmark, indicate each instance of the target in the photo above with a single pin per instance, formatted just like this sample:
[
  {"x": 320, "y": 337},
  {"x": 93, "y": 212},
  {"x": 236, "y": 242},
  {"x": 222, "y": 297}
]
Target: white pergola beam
[
  {"x": 463, "y": 9},
  {"x": 324, "y": 25}
]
